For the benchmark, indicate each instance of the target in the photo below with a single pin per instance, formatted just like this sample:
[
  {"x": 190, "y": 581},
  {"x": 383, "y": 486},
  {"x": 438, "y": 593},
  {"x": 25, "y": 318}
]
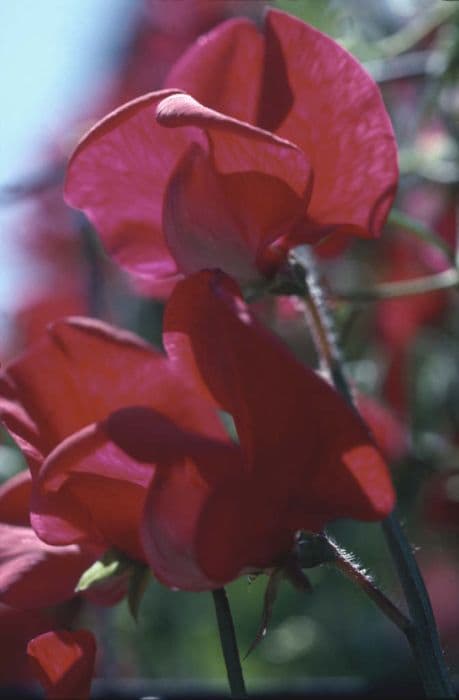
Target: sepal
[{"x": 112, "y": 564}]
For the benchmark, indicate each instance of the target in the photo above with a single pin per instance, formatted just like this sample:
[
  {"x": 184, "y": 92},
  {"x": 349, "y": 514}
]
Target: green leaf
[
  {"x": 270, "y": 596},
  {"x": 138, "y": 583}
]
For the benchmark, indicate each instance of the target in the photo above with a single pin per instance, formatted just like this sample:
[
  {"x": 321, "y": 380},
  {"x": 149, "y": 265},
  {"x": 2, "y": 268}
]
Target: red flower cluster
[
  {"x": 129, "y": 451},
  {"x": 282, "y": 139}
]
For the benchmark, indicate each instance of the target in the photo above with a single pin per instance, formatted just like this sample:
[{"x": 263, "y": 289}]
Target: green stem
[
  {"x": 407, "y": 37},
  {"x": 456, "y": 251},
  {"x": 398, "y": 218},
  {"x": 448, "y": 279},
  {"x": 422, "y": 633},
  {"x": 229, "y": 644}
]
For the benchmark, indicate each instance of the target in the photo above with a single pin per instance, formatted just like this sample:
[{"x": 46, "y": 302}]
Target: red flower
[
  {"x": 17, "y": 627},
  {"x": 305, "y": 458},
  {"x": 34, "y": 575},
  {"x": 63, "y": 662},
  {"x": 135, "y": 456},
  {"x": 78, "y": 374},
  {"x": 214, "y": 508},
  {"x": 37, "y": 581},
  {"x": 294, "y": 144}
]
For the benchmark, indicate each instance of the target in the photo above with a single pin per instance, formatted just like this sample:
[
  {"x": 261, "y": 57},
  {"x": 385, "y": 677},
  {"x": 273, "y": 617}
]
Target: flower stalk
[
  {"x": 229, "y": 644},
  {"x": 421, "y": 632},
  {"x": 421, "y": 231},
  {"x": 318, "y": 548},
  {"x": 448, "y": 279}
]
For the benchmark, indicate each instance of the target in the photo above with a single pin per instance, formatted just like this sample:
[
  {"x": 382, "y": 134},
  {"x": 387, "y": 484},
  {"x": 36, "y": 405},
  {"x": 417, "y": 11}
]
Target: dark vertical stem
[
  {"x": 422, "y": 633},
  {"x": 229, "y": 644}
]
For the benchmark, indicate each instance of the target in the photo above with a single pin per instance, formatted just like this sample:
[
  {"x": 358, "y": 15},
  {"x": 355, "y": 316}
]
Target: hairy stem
[
  {"x": 319, "y": 548},
  {"x": 229, "y": 644},
  {"x": 421, "y": 633},
  {"x": 390, "y": 610}
]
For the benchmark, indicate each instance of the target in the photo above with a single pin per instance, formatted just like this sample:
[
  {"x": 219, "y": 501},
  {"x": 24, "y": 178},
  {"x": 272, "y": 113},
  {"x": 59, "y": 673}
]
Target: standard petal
[
  {"x": 334, "y": 113},
  {"x": 63, "y": 662},
  {"x": 80, "y": 372},
  {"x": 117, "y": 176},
  {"x": 223, "y": 69},
  {"x": 284, "y": 413}
]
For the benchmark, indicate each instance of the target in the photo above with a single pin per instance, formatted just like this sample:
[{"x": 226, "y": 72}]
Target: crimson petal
[
  {"x": 238, "y": 146},
  {"x": 224, "y": 209},
  {"x": 15, "y": 499},
  {"x": 81, "y": 371},
  {"x": 284, "y": 413},
  {"x": 223, "y": 69},
  {"x": 338, "y": 118},
  {"x": 63, "y": 662},
  {"x": 34, "y": 574},
  {"x": 188, "y": 470},
  {"x": 89, "y": 491},
  {"x": 117, "y": 176},
  {"x": 311, "y": 91}
]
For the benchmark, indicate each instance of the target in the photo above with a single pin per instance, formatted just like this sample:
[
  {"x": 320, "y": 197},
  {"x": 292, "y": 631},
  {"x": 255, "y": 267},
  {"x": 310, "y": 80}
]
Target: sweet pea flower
[
  {"x": 17, "y": 628},
  {"x": 63, "y": 662},
  {"x": 212, "y": 508},
  {"x": 72, "y": 378},
  {"x": 37, "y": 581},
  {"x": 305, "y": 457},
  {"x": 261, "y": 140}
]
